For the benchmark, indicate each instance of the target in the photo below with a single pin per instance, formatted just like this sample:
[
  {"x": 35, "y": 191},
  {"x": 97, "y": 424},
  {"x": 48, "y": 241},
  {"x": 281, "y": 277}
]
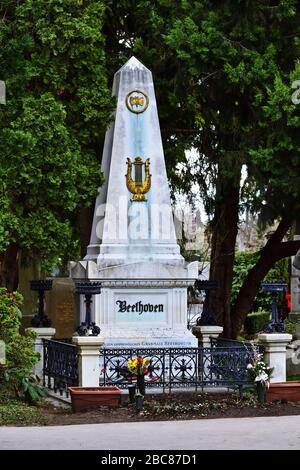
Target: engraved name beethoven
[{"x": 138, "y": 307}]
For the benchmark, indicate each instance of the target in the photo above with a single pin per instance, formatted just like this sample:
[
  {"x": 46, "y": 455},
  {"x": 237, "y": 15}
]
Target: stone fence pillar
[
  {"x": 275, "y": 353},
  {"x": 205, "y": 333},
  {"x": 42, "y": 333},
  {"x": 89, "y": 359}
]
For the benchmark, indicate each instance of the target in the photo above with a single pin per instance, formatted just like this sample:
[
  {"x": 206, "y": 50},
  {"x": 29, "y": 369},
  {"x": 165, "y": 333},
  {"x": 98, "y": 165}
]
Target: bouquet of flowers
[
  {"x": 138, "y": 366},
  {"x": 258, "y": 370}
]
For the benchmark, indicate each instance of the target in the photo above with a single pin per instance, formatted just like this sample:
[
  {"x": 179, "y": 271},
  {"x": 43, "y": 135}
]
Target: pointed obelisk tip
[{"x": 133, "y": 63}]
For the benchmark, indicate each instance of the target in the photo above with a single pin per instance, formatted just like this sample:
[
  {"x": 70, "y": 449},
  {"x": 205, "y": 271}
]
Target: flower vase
[
  {"x": 140, "y": 382},
  {"x": 261, "y": 392},
  {"x": 131, "y": 392},
  {"x": 139, "y": 402}
]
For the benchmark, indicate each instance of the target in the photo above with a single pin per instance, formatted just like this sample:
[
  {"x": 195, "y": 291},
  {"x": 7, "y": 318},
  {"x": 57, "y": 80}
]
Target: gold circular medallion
[{"x": 137, "y": 101}]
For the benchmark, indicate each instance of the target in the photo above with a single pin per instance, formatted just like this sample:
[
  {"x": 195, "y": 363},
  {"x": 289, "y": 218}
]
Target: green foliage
[
  {"x": 28, "y": 386},
  {"x": 51, "y": 129},
  {"x": 292, "y": 324},
  {"x": 10, "y": 315},
  {"x": 16, "y": 374},
  {"x": 14, "y": 412},
  {"x": 293, "y": 377},
  {"x": 277, "y": 153},
  {"x": 37, "y": 152},
  {"x": 243, "y": 263},
  {"x": 230, "y": 78},
  {"x": 255, "y": 322}
]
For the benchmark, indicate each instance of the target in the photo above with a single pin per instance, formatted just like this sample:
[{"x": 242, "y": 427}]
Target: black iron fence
[
  {"x": 170, "y": 368},
  {"x": 225, "y": 342},
  {"x": 60, "y": 369},
  {"x": 222, "y": 365}
]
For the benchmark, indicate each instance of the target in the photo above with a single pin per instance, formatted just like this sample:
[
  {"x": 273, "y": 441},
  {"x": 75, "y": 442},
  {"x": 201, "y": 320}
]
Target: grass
[
  {"x": 17, "y": 413},
  {"x": 293, "y": 377}
]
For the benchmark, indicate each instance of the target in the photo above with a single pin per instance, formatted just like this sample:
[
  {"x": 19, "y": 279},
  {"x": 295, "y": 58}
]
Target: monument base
[
  {"x": 149, "y": 339},
  {"x": 144, "y": 313},
  {"x": 135, "y": 309}
]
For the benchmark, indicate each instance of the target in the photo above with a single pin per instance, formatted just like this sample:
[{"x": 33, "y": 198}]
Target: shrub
[
  {"x": 255, "y": 322},
  {"x": 244, "y": 261},
  {"x": 16, "y": 374},
  {"x": 292, "y": 325}
]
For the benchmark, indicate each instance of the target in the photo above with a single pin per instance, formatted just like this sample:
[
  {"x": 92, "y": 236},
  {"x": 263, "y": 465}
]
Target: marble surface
[{"x": 133, "y": 249}]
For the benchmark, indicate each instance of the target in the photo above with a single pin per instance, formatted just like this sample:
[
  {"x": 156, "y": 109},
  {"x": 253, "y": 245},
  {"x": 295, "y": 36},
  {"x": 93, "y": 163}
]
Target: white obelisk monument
[{"x": 133, "y": 249}]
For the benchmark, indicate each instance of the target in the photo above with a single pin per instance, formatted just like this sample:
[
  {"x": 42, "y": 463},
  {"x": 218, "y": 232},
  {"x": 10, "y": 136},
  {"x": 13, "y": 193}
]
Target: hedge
[{"x": 256, "y": 321}]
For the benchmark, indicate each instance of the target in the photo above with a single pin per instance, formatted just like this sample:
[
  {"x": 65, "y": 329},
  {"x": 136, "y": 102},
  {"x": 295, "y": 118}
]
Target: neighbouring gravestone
[
  {"x": 2, "y": 92},
  {"x": 295, "y": 281},
  {"x": 60, "y": 306},
  {"x": 59, "y": 302},
  {"x": 31, "y": 270},
  {"x": 2, "y": 353},
  {"x": 133, "y": 249}
]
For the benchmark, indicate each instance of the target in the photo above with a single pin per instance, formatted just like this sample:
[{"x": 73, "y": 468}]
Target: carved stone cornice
[{"x": 146, "y": 283}]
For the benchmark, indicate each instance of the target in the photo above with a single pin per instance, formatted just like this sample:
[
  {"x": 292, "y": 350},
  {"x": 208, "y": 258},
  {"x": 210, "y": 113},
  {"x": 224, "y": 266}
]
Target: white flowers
[
  {"x": 258, "y": 370},
  {"x": 262, "y": 377}
]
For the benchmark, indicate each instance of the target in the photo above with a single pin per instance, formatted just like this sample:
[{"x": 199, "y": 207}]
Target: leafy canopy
[{"x": 51, "y": 129}]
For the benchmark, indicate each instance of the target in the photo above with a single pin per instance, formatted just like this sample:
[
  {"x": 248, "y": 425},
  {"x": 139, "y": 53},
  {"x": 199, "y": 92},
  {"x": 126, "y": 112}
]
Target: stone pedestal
[
  {"x": 205, "y": 333},
  {"x": 144, "y": 313},
  {"x": 42, "y": 333},
  {"x": 88, "y": 359},
  {"x": 275, "y": 345}
]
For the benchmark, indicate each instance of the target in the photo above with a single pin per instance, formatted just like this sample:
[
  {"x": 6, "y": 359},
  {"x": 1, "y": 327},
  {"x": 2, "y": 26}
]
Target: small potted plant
[{"x": 260, "y": 375}]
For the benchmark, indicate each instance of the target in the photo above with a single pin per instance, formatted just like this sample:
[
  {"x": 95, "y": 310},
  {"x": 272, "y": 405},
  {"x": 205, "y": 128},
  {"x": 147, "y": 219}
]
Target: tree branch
[
  {"x": 273, "y": 251},
  {"x": 286, "y": 249}
]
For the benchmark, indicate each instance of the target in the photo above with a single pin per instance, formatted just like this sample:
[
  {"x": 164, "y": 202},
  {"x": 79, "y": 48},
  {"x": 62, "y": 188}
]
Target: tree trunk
[
  {"x": 273, "y": 251},
  {"x": 225, "y": 229},
  {"x": 9, "y": 270}
]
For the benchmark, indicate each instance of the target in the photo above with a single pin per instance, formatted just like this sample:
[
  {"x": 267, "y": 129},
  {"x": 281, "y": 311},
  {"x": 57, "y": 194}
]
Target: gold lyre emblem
[
  {"x": 138, "y": 186},
  {"x": 137, "y": 101}
]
